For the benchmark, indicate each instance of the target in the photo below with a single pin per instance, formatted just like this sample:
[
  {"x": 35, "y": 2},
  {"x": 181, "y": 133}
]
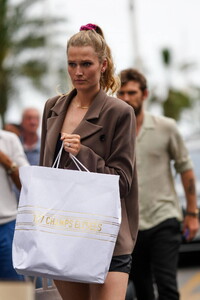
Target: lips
[{"x": 79, "y": 80}]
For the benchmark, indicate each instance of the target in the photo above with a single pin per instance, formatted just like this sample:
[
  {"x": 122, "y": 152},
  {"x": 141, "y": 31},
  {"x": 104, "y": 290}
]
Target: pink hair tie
[{"x": 88, "y": 27}]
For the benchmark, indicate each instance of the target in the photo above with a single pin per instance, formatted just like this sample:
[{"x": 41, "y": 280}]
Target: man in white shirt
[
  {"x": 159, "y": 143},
  {"x": 12, "y": 157}
]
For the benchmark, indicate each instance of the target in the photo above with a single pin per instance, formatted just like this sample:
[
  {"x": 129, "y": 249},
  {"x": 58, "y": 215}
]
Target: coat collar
[
  {"x": 85, "y": 127},
  {"x": 92, "y": 113}
]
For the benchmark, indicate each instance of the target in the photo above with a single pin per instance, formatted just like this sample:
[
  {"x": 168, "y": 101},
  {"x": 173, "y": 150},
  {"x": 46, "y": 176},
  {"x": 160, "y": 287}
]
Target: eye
[
  {"x": 87, "y": 64},
  {"x": 120, "y": 93},
  {"x": 131, "y": 93},
  {"x": 71, "y": 64}
]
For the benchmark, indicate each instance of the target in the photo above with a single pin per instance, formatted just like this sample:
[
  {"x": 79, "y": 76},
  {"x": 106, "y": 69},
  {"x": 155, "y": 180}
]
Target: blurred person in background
[
  {"x": 31, "y": 143},
  {"x": 159, "y": 143},
  {"x": 12, "y": 157},
  {"x": 29, "y": 134}
]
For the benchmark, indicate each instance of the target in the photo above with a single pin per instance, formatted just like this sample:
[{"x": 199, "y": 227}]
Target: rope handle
[
  {"x": 74, "y": 159},
  {"x": 57, "y": 160},
  {"x": 78, "y": 163}
]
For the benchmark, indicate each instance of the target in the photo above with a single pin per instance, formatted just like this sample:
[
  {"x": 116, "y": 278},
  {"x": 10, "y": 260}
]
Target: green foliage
[
  {"x": 175, "y": 103},
  {"x": 176, "y": 100},
  {"x": 23, "y": 41},
  {"x": 166, "y": 56}
]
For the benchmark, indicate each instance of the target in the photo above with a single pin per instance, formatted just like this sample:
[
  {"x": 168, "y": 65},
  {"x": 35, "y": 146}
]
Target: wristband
[
  {"x": 192, "y": 213},
  {"x": 12, "y": 168}
]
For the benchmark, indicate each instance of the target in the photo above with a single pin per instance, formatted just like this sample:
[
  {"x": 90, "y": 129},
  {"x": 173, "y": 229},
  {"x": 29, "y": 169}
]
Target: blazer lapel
[
  {"x": 54, "y": 124},
  {"x": 84, "y": 129},
  {"x": 87, "y": 127}
]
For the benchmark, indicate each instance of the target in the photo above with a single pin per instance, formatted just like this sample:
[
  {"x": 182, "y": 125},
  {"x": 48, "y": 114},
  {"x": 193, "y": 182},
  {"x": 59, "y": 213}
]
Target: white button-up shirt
[
  {"x": 159, "y": 144},
  {"x": 11, "y": 146}
]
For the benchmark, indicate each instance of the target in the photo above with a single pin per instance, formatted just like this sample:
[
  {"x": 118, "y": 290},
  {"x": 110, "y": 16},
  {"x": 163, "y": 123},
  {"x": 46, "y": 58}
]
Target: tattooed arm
[{"x": 191, "y": 223}]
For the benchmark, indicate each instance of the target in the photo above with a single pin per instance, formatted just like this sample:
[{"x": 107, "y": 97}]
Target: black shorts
[{"x": 121, "y": 263}]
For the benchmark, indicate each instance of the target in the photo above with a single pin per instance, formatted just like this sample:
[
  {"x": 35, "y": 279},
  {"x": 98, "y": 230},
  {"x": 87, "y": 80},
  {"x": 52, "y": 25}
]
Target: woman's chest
[{"x": 72, "y": 119}]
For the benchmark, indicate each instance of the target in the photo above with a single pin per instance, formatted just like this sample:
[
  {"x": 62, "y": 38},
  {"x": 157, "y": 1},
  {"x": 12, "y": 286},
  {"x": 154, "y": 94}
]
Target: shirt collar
[{"x": 148, "y": 121}]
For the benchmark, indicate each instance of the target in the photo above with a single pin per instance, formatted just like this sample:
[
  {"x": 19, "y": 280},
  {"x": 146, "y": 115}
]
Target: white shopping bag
[{"x": 67, "y": 224}]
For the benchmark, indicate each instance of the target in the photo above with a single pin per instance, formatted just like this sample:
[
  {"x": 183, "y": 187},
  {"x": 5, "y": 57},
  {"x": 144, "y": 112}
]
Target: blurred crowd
[{"x": 19, "y": 146}]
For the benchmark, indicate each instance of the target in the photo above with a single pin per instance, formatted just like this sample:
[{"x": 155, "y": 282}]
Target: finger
[
  {"x": 67, "y": 144},
  {"x": 73, "y": 136},
  {"x": 64, "y": 135}
]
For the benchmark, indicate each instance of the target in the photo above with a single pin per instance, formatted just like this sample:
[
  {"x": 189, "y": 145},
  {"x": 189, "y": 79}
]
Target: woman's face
[{"x": 84, "y": 68}]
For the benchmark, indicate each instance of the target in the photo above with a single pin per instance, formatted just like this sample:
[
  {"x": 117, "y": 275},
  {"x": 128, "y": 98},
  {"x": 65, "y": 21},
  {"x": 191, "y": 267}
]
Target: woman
[{"x": 100, "y": 131}]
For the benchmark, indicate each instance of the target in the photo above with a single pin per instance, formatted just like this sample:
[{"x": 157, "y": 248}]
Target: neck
[
  {"x": 30, "y": 138},
  {"x": 79, "y": 104},
  {"x": 84, "y": 99}
]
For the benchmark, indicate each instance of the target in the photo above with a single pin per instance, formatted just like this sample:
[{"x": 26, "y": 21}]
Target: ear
[
  {"x": 145, "y": 94},
  {"x": 104, "y": 65}
]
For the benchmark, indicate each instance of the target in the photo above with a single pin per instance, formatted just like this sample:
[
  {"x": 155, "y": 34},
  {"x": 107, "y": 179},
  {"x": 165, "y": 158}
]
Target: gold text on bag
[
  {"x": 62, "y": 222},
  {"x": 67, "y": 223}
]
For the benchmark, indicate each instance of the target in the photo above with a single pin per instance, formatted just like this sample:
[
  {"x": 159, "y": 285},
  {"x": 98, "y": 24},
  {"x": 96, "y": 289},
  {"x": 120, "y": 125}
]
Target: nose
[
  {"x": 124, "y": 97},
  {"x": 79, "y": 71}
]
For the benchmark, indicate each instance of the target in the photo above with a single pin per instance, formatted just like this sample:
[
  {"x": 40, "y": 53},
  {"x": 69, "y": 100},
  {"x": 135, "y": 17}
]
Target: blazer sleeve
[
  {"x": 122, "y": 151},
  {"x": 46, "y": 114}
]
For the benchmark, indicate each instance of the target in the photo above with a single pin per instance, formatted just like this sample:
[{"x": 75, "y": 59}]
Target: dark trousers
[{"x": 155, "y": 260}]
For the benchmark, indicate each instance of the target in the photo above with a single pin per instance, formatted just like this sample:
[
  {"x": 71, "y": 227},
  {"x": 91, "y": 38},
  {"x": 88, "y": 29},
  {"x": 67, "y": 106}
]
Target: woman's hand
[{"x": 71, "y": 143}]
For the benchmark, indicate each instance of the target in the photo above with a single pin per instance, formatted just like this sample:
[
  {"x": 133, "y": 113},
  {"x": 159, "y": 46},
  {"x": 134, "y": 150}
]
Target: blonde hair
[{"x": 95, "y": 39}]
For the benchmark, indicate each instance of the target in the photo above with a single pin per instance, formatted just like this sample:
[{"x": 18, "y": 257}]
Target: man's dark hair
[{"x": 133, "y": 75}]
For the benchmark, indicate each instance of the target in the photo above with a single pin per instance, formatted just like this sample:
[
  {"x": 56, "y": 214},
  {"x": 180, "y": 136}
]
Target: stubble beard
[{"x": 137, "y": 110}]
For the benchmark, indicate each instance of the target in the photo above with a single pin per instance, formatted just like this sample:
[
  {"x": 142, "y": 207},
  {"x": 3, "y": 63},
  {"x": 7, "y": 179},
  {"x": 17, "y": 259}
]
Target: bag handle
[
  {"x": 74, "y": 159},
  {"x": 77, "y": 163},
  {"x": 57, "y": 160}
]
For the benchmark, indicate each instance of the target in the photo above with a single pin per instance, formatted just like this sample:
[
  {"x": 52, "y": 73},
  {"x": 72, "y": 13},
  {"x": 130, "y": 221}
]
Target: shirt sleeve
[
  {"x": 178, "y": 150},
  {"x": 17, "y": 152}
]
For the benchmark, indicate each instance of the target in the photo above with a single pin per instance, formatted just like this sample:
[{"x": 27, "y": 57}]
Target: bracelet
[
  {"x": 192, "y": 213},
  {"x": 12, "y": 168}
]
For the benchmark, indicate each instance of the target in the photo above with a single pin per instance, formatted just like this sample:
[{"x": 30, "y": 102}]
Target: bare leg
[
  {"x": 114, "y": 287},
  {"x": 73, "y": 290}
]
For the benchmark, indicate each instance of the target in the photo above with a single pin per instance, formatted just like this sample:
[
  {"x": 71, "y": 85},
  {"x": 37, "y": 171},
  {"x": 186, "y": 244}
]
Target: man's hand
[
  {"x": 5, "y": 160},
  {"x": 11, "y": 169},
  {"x": 190, "y": 227},
  {"x": 190, "y": 223}
]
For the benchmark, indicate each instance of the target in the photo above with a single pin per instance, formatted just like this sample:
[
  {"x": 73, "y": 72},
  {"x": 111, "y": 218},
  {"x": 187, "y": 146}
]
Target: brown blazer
[{"x": 108, "y": 135}]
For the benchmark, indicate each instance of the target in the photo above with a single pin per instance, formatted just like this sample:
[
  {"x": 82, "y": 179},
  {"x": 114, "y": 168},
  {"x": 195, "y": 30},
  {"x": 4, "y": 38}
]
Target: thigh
[
  {"x": 114, "y": 287},
  {"x": 73, "y": 290}
]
